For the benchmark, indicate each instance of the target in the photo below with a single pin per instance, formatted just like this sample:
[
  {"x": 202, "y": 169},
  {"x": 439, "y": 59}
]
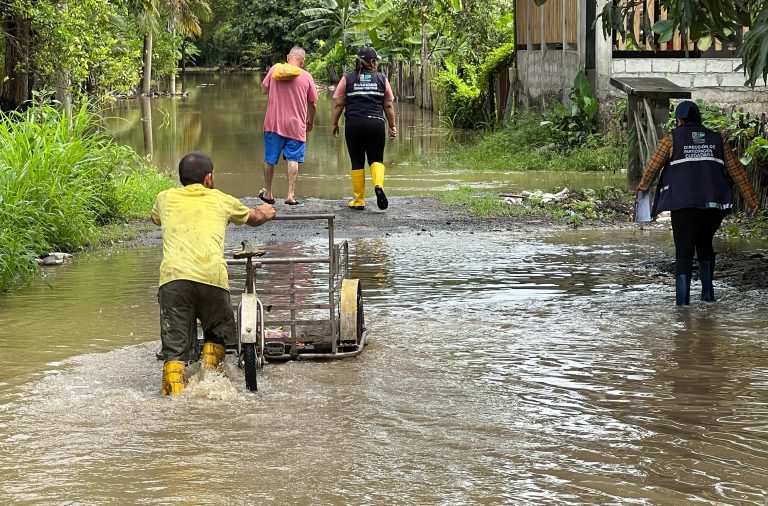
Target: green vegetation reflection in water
[{"x": 60, "y": 179}]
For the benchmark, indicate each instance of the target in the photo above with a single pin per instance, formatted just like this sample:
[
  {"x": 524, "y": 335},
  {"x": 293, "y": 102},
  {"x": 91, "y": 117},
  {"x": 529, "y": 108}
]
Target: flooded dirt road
[
  {"x": 505, "y": 366},
  {"x": 223, "y": 115}
]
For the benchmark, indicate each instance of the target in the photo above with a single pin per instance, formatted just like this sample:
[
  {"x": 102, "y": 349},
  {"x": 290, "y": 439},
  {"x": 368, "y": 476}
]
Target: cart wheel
[
  {"x": 351, "y": 319},
  {"x": 251, "y": 364}
]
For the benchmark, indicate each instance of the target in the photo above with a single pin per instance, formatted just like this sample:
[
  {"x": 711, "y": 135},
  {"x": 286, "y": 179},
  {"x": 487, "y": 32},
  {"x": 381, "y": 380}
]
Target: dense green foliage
[
  {"x": 90, "y": 43},
  {"x": 467, "y": 95},
  {"x": 401, "y": 30},
  {"x": 93, "y": 47},
  {"x": 464, "y": 104},
  {"x": 526, "y": 144},
  {"x": 60, "y": 178},
  {"x": 742, "y": 130}
]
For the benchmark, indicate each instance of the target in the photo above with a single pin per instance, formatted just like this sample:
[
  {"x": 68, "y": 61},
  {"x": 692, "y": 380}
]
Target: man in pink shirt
[{"x": 291, "y": 107}]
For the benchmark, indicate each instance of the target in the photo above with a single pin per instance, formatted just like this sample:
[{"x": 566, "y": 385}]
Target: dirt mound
[{"x": 740, "y": 270}]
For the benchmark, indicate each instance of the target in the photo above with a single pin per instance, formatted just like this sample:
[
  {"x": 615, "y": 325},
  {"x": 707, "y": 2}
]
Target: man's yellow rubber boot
[
  {"x": 358, "y": 189},
  {"x": 377, "y": 174},
  {"x": 173, "y": 377},
  {"x": 212, "y": 356}
]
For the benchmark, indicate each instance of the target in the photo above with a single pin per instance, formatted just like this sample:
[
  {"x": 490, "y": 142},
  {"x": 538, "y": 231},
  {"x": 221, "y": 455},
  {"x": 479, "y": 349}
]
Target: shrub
[
  {"x": 60, "y": 178},
  {"x": 463, "y": 104},
  {"x": 573, "y": 127}
]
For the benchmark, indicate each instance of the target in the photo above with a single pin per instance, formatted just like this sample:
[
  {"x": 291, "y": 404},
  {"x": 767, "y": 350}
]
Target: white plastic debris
[{"x": 54, "y": 258}]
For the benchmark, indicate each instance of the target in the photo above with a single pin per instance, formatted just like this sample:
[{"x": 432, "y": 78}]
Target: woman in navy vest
[
  {"x": 697, "y": 167},
  {"x": 366, "y": 99}
]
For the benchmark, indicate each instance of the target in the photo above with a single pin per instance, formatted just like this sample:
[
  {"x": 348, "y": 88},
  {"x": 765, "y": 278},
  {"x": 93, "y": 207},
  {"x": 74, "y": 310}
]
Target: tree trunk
[
  {"x": 424, "y": 52},
  {"x": 172, "y": 85},
  {"x": 15, "y": 90},
  {"x": 63, "y": 81},
  {"x": 146, "y": 121},
  {"x": 147, "y": 77},
  {"x": 183, "y": 60}
]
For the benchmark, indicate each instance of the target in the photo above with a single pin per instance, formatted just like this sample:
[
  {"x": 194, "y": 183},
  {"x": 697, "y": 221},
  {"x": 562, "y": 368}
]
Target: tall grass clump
[{"x": 61, "y": 178}]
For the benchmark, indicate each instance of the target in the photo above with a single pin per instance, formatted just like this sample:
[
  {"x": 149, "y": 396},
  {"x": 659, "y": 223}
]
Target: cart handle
[{"x": 309, "y": 216}]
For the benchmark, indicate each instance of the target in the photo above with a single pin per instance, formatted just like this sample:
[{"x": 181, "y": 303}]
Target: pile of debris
[{"x": 589, "y": 204}]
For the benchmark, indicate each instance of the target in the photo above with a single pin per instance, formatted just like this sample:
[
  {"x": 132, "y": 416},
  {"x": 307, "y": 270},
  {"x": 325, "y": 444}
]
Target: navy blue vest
[
  {"x": 365, "y": 95},
  {"x": 695, "y": 176}
]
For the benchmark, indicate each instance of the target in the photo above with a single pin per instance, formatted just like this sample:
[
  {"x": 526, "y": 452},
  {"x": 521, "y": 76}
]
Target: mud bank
[
  {"x": 425, "y": 215},
  {"x": 745, "y": 271}
]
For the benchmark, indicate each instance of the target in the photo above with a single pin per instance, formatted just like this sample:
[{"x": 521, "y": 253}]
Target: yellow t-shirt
[{"x": 194, "y": 220}]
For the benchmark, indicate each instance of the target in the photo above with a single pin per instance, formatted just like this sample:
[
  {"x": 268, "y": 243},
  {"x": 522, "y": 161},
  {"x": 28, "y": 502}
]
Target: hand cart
[{"x": 307, "y": 307}]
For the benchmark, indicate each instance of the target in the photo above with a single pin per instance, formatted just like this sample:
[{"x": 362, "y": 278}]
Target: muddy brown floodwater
[
  {"x": 510, "y": 362},
  {"x": 743, "y": 268}
]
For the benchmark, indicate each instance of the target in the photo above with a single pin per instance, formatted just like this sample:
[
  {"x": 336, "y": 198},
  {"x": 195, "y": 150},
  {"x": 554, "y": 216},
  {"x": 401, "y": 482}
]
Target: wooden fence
[
  {"x": 415, "y": 83},
  {"x": 555, "y": 23},
  {"x": 654, "y": 13},
  {"x": 412, "y": 82},
  {"x": 757, "y": 171}
]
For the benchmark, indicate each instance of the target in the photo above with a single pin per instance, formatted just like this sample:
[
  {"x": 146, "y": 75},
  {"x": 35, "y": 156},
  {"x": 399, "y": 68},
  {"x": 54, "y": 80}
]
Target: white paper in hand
[{"x": 642, "y": 207}]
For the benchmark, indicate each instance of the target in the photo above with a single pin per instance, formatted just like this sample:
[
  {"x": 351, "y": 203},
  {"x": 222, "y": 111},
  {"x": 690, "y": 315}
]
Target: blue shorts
[{"x": 274, "y": 144}]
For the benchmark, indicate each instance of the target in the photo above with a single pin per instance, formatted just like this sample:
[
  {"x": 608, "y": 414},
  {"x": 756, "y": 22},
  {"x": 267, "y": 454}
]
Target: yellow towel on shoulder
[{"x": 285, "y": 72}]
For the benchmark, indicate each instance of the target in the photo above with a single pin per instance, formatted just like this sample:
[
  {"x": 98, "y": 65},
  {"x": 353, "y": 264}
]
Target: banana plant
[{"x": 331, "y": 22}]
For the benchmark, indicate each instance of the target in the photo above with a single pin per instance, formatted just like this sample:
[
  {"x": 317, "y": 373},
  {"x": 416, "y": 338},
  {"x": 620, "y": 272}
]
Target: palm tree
[
  {"x": 185, "y": 15},
  {"x": 147, "y": 13}
]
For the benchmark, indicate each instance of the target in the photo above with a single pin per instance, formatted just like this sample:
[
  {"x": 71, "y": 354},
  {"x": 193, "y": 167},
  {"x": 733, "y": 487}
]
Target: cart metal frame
[{"x": 346, "y": 336}]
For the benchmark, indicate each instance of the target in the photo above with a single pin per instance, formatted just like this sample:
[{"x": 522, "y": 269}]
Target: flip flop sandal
[
  {"x": 265, "y": 199},
  {"x": 294, "y": 202}
]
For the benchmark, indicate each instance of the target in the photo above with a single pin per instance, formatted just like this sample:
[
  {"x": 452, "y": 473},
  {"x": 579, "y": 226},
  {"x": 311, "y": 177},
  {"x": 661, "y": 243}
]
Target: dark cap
[
  {"x": 368, "y": 53},
  {"x": 688, "y": 111}
]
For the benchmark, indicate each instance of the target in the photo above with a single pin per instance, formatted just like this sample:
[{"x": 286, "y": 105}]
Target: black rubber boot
[
  {"x": 706, "y": 273},
  {"x": 683, "y": 289}
]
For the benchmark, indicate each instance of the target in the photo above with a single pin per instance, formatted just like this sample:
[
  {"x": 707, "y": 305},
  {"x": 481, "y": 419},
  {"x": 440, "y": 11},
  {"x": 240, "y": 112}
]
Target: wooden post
[
  {"x": 634, "y": 162},
  {"x": 647, "y": 116}
]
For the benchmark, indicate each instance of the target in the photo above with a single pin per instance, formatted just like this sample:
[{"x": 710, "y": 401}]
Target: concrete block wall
[
  {"x": 545, "y": 75},
  {"x": 686, "y": 72}
]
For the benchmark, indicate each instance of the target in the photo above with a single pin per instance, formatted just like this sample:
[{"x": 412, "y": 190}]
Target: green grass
[
  {"x": 483, "y": 204},
  {"x": 60, "y": 180},
  {"x": 525, "y": 145}
]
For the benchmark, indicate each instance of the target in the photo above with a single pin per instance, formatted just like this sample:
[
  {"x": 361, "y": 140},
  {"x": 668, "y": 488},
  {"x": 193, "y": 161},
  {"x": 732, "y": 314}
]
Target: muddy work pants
[
  {"x": 181, "y": 303},
  {"x": 693, "y": 230}
]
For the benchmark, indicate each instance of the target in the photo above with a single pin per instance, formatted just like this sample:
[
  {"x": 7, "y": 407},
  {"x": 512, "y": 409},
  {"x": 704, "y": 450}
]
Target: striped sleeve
[{"x": 657, "y": 162}]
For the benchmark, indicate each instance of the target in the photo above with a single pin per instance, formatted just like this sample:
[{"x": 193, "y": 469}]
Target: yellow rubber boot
[
  {"x": 377, "y": 174},
  {"x": 212, "y": 356},
  {"x": 173, "y": 377},
  {"x": 358, "y": 189}
]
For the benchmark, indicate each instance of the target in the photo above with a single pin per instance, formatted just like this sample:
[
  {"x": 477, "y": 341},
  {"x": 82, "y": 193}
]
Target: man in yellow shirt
[{"x": 193, "y": 273}]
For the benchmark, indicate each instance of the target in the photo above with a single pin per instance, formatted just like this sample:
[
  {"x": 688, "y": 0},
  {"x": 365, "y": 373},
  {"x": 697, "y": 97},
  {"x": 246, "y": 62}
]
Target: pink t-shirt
[{"x": 287, "y": 105}]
